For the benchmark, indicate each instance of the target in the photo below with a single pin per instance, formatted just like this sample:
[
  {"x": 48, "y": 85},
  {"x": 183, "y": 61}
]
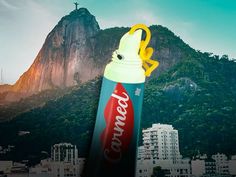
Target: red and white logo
[{"x": 119, "y": 117}]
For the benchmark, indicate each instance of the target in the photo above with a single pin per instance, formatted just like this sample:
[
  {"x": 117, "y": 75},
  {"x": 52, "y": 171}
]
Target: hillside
[
  {"x": 193, "y": 91},
  {"x": 69, "y": 118},
  {"x": 197, "y": 96},
  {"x": 10, "y": 110},
  {"x": 76, "y": 51},
  {"x": 169, "y": 50}
]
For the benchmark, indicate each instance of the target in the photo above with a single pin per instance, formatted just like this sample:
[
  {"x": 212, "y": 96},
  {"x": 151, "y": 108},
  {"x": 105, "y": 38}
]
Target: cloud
[
  {"x": 129, "y": 19},
  {"x": 146, "y": 17},
  {"x": 8, "y": 5}
]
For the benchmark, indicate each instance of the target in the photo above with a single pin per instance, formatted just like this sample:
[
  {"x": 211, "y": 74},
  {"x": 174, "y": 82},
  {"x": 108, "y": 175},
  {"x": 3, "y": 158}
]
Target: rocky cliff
[
  {"x": 76, "y": 51},
  {"x": 65, "y": 56},
  {"x": 4, "y": 88}
]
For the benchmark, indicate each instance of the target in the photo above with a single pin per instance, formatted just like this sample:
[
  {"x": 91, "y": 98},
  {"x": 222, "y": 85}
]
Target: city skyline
[{"x": 64, "y": 159}]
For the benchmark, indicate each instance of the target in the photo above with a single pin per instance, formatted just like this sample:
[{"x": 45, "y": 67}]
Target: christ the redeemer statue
[{"x": 76, "y": 5}]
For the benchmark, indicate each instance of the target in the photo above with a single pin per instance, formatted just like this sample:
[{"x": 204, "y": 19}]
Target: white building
[
  {"x": 5, "y": 166},
  {"x": 232, "y": 165},
  {"x": 141, "y": 153},
  {"x": 198, "y": 167},
  {"x": 161, "y": 142},
  {"x": 19, "y": 168},
  {"x": 161, "y": 148},
  {"x": 180, "y": 169},
  {"x": 41, "y": 170},
  {"x": 64, "y": 152},
  {"x": 64, "y": 162},
  {"x": 144, "y": 168},
  {"x": 63, "y": 169},
  {"x": 203, "y": 167},
  {"x": 48, "y": 168},
  {"x": 222, "y": 164}
]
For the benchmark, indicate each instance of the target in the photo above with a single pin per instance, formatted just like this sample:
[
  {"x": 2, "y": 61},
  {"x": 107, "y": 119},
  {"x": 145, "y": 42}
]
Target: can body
[{"x": 115, "y": 137}]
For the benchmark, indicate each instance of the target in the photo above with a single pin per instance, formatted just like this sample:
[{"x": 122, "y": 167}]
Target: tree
[
  {"x": 77, "y": 78},
  {"x": 158, "y": 172}
]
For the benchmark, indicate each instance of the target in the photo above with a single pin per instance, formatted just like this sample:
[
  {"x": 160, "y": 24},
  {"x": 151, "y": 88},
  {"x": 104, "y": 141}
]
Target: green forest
[{"x": 197, "y": 95}]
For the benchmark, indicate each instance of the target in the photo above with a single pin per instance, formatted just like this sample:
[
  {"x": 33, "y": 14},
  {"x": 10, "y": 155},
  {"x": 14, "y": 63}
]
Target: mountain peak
[
  {"x": 64, "y": 55},
  {"x": 81, "y": 11},
  {"x": 79, "y": 14},
  {"x": 76, "y": 50}
]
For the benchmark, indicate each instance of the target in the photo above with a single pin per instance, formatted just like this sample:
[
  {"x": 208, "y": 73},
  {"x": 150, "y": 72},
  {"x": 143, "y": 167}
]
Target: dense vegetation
[
  {"x": 197, "y": 97},
  {"x": 67, "y": 119},
  {"x": 8, "y": 111}
]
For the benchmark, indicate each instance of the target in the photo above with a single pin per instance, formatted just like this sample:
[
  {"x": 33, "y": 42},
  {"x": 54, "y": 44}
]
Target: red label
[{"x": 119, "y": 117}]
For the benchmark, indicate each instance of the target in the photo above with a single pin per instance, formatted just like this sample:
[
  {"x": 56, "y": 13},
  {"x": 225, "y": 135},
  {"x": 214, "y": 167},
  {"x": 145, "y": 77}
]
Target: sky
[{"x": 206, "y": 25}]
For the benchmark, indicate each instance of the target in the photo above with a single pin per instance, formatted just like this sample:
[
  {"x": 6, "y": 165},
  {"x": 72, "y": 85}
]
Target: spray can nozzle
[{"x": 128, "y": 49}]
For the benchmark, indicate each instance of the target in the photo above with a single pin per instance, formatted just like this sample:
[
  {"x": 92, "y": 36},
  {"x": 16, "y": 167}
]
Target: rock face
[
  {"x": 4, "y": 88},
  {"x": 76, "y": 51},
  {"x": 64, "y": 59}
]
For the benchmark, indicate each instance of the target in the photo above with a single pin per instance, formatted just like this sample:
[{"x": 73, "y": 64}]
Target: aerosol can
[{"x": 115, "y": 137}]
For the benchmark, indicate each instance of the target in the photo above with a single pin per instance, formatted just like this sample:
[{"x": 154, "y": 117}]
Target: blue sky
[{"x": 206, "y": 25}]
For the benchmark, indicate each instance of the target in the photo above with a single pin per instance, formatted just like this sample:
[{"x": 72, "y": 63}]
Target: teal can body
[{"x": 115, "y": 137}]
